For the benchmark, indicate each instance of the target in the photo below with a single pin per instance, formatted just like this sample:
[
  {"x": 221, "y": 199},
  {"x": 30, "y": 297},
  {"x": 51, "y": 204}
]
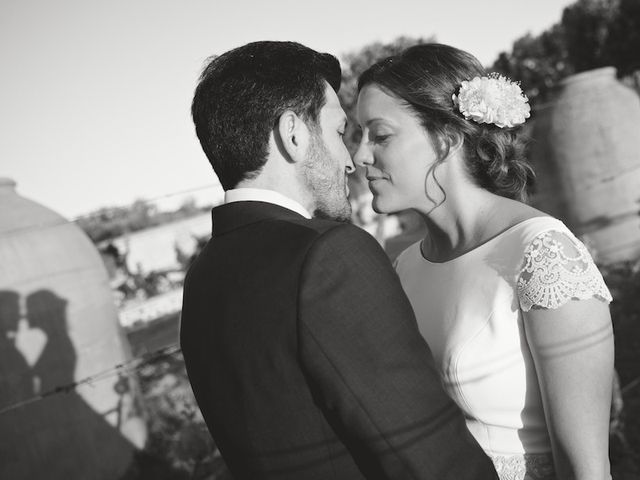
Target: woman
[{"x": 510, "y": 302}]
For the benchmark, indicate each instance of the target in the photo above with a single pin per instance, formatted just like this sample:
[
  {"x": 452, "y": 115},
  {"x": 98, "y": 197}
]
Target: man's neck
[
  {"x": 265, "y": 195},
  {"x": 289, "y": 189}
]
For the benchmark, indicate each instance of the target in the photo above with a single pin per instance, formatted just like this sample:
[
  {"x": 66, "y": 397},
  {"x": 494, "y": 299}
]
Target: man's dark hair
[{"x": 242, "y": 94}]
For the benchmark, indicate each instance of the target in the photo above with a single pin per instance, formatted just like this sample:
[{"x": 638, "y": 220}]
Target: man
[{"x": 300, "y": 345}]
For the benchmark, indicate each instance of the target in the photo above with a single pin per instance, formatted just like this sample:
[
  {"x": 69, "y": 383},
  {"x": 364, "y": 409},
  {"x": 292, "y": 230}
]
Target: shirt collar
[{"x": 263, "y": 195}]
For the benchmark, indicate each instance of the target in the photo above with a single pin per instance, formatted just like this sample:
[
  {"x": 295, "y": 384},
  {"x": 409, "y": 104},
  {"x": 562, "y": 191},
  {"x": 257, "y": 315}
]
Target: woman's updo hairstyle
[{"x": 425, "y": 77}]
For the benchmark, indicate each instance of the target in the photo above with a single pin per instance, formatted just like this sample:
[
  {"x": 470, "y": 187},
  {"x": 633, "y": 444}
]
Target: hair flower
[{"x": 492, "y": 99}]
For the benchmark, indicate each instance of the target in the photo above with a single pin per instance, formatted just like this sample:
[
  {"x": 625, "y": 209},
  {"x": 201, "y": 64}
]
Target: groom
[{"x": 300, "y": 345}]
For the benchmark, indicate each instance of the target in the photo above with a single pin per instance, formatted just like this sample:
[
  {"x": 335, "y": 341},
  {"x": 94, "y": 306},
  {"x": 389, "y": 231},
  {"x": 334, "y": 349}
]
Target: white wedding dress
[{"x": 470, "y": 309}]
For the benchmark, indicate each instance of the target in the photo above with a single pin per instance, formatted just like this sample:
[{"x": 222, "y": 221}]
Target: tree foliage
[
  {"x": 586, "y": 25},
  {"x": 590, "y": 34},
  {"x": 623, "y": 42},
  {"x": 111, "y": 222},
  {"x": 537, "y": 62}
]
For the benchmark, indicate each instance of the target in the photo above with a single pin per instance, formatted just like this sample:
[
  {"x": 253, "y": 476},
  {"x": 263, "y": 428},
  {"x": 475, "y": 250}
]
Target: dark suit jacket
[{"x": 305, "y": 358}]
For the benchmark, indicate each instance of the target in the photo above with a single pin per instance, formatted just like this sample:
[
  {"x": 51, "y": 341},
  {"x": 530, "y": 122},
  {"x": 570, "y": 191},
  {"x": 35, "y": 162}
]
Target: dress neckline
[{"x": 481, "y": 245}]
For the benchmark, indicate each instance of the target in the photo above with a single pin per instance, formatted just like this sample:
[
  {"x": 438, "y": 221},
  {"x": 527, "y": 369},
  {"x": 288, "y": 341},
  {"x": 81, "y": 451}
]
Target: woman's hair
[{"x": 425, "y": 77}]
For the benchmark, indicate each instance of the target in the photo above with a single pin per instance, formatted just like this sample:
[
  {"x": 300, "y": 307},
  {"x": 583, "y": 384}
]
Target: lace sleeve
[{"x": 557, "y": 268}]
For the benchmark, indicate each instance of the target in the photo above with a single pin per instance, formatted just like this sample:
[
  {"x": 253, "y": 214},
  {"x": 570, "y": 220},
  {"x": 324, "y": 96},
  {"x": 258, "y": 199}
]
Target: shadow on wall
[{"x": 48, "y": 429}]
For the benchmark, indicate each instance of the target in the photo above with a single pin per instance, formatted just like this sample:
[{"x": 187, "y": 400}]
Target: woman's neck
[{"x": 463, "y": 221}]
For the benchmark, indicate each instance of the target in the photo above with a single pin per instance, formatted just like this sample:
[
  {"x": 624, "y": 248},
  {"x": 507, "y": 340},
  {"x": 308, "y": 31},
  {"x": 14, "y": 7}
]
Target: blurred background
[{"x": 105, "y": 198}]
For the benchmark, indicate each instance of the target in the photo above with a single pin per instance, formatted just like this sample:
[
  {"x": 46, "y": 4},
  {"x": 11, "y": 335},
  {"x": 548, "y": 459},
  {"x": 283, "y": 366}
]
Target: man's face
[{"x": 328, "y": 162}]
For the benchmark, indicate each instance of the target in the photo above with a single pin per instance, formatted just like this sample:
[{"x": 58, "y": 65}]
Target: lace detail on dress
[
  {"x": 558, "y": 268},
  {"x": 524, "y": 467}
]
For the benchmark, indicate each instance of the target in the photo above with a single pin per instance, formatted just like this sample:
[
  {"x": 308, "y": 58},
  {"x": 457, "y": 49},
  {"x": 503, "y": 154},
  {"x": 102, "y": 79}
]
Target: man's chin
[{"x": 337, "y": 214}]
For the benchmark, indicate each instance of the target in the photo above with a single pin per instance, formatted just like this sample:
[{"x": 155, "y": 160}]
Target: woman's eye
[
  {"x": 341, "y": 132},
  {"x": 380, "y": 138}
]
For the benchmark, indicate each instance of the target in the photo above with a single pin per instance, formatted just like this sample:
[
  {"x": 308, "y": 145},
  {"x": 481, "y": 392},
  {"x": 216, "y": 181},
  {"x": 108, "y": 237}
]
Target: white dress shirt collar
[{"x": 263, "y": 195}]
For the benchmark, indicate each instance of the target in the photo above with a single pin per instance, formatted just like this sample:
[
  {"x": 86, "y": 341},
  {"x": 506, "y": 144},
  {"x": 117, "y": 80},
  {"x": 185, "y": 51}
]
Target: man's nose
[{"x": 349, "y": 166}]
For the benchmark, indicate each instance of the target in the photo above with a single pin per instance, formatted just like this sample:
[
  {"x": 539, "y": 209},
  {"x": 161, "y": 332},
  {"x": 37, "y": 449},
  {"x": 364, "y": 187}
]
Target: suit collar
[
  {"x": 235, "y": 215},
  {"x": 264, "y": 195}
]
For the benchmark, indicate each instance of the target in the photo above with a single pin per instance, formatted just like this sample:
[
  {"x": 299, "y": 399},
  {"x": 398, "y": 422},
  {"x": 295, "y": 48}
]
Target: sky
[{"x": 95, "y": 95}]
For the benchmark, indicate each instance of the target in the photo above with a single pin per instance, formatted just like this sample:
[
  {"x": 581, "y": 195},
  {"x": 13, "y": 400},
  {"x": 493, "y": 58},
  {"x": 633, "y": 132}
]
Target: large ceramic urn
[
  {"x": 586, "y": 153},
  {"x": 59, "y": 328}
]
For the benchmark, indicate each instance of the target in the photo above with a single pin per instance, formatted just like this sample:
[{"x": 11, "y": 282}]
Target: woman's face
[{"x": 396, "y": 151}]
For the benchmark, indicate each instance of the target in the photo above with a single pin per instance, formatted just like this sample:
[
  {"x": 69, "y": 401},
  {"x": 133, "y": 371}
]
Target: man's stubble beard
[{"x": 326, "y": 183}]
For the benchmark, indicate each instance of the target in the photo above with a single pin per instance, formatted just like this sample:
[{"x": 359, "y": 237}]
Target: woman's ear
[
  {"x": 456, "y": 140},
  {"x": 292, "y": 136},
  {"x": 450, "y": 143}
]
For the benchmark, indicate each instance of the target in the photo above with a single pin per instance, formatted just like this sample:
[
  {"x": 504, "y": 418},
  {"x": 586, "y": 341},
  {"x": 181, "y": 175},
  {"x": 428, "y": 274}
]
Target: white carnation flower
[{"x": 493, "y": 99}]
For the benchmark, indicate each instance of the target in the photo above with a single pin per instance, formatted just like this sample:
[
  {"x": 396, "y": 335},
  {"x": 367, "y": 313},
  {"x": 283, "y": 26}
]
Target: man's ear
[{"x": 292, "y": 136}]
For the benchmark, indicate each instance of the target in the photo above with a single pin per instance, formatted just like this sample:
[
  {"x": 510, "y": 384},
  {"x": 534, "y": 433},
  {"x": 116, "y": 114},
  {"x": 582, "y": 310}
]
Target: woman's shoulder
[
  {"x": 556, "y": 268},
  {"x": 519, "y": 228},
  {"x": 523, "y": 223}
]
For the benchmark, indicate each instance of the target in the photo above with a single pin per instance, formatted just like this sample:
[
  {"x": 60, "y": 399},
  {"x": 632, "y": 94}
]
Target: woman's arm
[
  {"x": 569, "y": 332},
  {"x": 572, "y": 348}
]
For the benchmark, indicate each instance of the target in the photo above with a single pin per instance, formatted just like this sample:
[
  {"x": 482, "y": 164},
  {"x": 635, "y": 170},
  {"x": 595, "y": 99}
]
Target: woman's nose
[{"x": 363, "y": 156}]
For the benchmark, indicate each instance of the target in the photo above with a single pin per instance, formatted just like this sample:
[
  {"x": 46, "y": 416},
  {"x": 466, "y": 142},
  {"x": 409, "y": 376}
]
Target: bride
[{"x": 510, "y": 302}]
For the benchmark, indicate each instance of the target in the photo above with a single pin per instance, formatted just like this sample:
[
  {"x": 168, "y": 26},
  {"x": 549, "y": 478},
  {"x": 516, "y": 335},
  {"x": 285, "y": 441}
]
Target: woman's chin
[{"x": 379, "y": 205}]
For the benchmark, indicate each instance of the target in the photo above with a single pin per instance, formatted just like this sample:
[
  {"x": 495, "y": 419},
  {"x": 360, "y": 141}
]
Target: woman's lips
[{"x": 373, "y": 180}]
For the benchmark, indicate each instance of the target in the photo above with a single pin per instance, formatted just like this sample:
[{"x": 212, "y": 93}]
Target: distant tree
[
  {"x": 141, "y": 215},
  {"x": 591, "y": 34},
  {"x": 111, "y": 222},
  {"x": 104, "y": 223},
  {"x": 537, "y": 62},
  {"x": 189, "y": 207},
  {"x": 623, "y": 45},
  {"x": 587, "y": 25}
]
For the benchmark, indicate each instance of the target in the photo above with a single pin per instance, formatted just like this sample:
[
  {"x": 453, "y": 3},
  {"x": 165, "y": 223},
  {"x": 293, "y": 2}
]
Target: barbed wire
[
  {"x": 630, "y": 386},
  {"x": 154, "y": 199},
  {"x": 129, "y": 366},
  {"x": 64, "y": 221}
]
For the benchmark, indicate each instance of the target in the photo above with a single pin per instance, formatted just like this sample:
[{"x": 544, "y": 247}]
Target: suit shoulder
[
  {"x": 317, "y": 225},
  {"x": 330, "y": 231},
  {"x": 306, "y": 230},
  {"x": 346, "y": 243}
]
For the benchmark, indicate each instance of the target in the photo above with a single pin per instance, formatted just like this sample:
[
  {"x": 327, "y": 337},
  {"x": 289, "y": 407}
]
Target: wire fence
[
  {"x": 64, "y": 221},
  {"x": 128, "y": 367}
]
